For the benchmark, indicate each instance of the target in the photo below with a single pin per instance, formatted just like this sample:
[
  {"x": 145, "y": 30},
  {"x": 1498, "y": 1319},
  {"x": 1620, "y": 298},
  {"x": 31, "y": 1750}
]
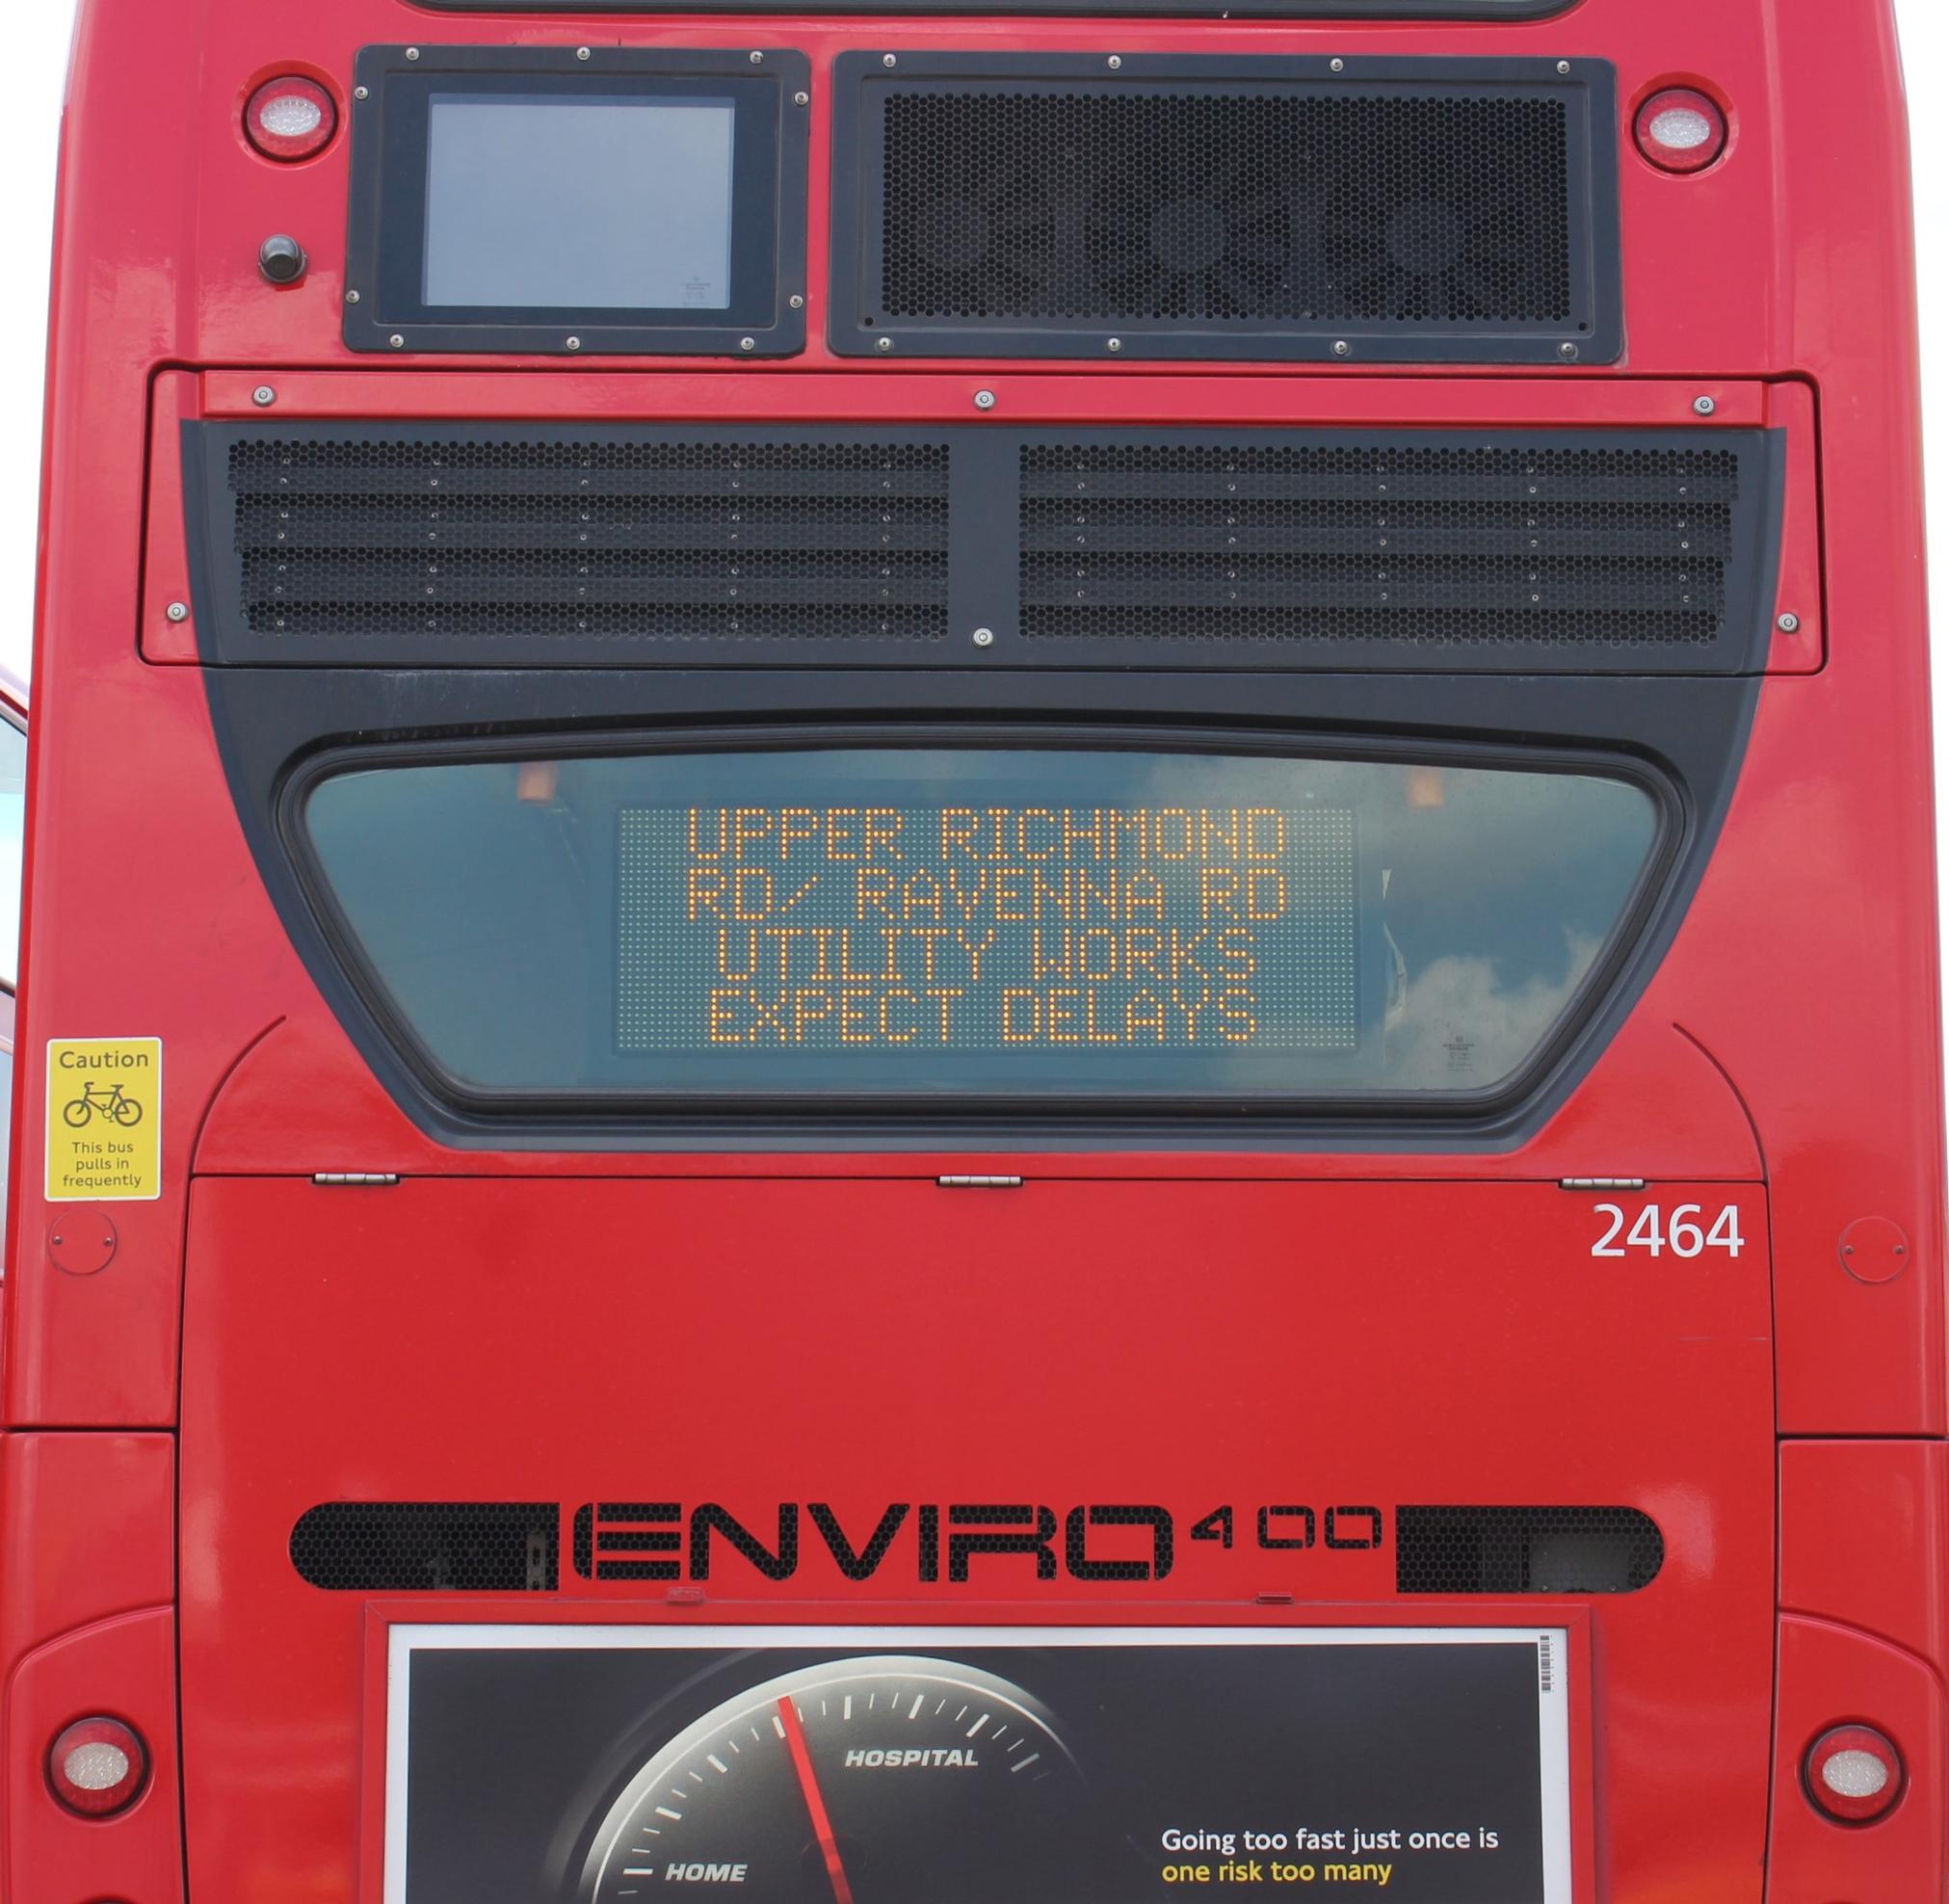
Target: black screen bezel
[{"x": 386, "y": 232}]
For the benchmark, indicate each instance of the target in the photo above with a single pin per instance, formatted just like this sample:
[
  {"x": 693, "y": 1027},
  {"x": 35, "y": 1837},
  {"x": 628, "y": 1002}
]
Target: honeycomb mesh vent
[
  {"x": 429, "y": 1547},
  {"x": 1452, "y": 548},
  {"x": 1525, "y": 1550},
  {"x": 1447, "y": 208},
  {"x": 612, "y": 541}
]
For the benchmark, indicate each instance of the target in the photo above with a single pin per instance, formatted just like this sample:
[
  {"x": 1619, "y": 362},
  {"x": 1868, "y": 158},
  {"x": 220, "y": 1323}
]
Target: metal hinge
[
  {"x": 356, "y": 1179},
  {"x": 1602, "y": 1183},
  {"x": 979, "y": 1182}
]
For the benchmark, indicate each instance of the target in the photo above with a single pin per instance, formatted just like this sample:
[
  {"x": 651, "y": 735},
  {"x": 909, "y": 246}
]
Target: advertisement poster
[{"x": 935, "y": 1766}]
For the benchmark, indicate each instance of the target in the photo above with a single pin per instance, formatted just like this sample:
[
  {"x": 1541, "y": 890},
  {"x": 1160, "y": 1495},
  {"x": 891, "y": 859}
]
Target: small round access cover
[
  {"x": 1874, "y": 1249},
  {"x": 82, "y": 1240}
]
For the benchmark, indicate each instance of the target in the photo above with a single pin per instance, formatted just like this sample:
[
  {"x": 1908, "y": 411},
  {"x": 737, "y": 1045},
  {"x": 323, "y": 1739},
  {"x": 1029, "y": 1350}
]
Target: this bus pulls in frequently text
[{"x": 978, "y": 958}]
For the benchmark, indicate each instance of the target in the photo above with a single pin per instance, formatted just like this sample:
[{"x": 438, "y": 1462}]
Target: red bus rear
[{"x": 979, "y": 957}]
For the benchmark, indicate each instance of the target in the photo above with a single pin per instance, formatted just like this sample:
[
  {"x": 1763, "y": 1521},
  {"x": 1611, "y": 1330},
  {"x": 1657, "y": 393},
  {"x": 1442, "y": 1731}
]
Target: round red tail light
[
  {"x": 99, "y": 1767},
  {"x": 290, "y": 118},
  {"x": 1680, "y": 130},
  {"x": 1854, "y": 1774}
]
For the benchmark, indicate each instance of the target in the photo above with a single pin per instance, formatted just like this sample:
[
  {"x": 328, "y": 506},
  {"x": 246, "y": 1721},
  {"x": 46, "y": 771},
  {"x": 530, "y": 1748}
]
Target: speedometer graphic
[{"x": 887, "y": 1780}]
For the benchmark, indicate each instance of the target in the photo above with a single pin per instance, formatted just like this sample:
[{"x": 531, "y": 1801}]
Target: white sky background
[{"x": 37, "y": 57}]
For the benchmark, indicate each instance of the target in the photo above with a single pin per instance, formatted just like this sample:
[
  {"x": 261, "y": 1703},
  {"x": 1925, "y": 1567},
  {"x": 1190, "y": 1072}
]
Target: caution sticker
[{"x": 104, "y": 1119}]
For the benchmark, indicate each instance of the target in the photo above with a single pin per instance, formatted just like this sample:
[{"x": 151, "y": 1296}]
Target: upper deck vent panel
[
  {"x": 373, "y": 544},
  {"x": 1457, "y": 210}
]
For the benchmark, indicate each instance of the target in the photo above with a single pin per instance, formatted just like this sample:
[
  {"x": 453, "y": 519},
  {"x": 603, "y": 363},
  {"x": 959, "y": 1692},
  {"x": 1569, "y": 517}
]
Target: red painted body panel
[
  {"x": 1237, "y": 1322},
  {"x": 748, "y": 1341}
]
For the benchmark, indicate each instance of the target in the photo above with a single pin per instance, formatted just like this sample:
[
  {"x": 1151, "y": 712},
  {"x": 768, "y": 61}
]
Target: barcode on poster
[{"x": 1546, "y": 1664}]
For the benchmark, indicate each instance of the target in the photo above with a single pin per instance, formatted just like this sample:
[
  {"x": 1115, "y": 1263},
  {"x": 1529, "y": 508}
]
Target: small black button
[{"x": 282, "y": 259}]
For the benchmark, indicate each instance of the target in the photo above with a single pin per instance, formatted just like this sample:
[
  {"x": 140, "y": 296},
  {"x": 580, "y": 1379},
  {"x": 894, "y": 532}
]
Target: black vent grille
[
  {"x": 587, "y": 541},
  {"x": 1525, "y": 1550},
  {"x": 430, "y": 1546},
  {"x": 1545, "y": 551},
  {"x": 1191, "y": 206},
  {"x": 1169, "y": 206},
  {"x": 1349, "y": 543}
]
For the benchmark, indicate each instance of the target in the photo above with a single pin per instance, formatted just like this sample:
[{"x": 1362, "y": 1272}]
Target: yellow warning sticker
[{"x": 104, "y": 1119}]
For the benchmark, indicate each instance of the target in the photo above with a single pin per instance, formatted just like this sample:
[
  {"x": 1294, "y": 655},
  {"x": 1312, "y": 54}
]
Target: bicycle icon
[{"x": 113, "y": 1104}]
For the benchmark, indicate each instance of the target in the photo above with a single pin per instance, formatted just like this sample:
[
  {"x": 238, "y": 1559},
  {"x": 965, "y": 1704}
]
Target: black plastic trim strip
[{"x": 1359, "y": 13}]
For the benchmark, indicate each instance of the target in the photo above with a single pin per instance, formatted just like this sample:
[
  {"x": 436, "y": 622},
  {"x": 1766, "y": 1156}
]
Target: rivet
[
  {"x": 884, "y": 344},
  {"x": 397, "y": 341},
  {"x": 984, "y": 400},
  {"x": 747, "y": 343},
  {"x": 1343, "y": 348},
  {"x": 757, "y": 58},
  {"x": 1563, "y": 67},
  {"x": 1789, "y": 624},
  {"x": 572, "y": 343},
  {"x": 1704, "y": 406},
  {"x": 1116, "y": 344},
  {"x": 1339, "y": 65},
  {"x": 985, "y": 638},
  {"x": 887, "y": 60},
  {"x": 1116, "y": 62},
  {"x": 361, "y": 92},
  {"x": 1568, "y": 353},
  {"x": 582, "y": 53},
  {"x": 795, "y": 302},
  {"x": 263, "y": 396},
  {"x": 176, "y": 611},
  {"x": 802, "y": 98},
  {"x": 352, "y": 297},
  {"x": 413, "y": 52}
]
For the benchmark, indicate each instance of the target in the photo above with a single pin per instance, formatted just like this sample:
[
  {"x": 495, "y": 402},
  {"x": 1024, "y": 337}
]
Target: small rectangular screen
[{"x": 590, "y": 203}]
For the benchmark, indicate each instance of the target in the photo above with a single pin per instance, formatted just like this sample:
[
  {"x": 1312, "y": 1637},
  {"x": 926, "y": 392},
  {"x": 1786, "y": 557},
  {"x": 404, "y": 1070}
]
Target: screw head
[
  {"x": 1788, "y": 624},
  {"x": 883, "y": 344},
  {"x": 1704, "y": 406},
  {"x": 1116, "y": 62},
  {"x": 352, "y": 297},
  {"x": 1569, "y": 353},
  {"x": 1343, "y": 349},
  {"x": 984, "y": 400},
  {"x": 757, "y": 58},
  {"x": 747, "y": 343},
  {"x": 887, "y": 60},
  {"x": 413, "y": 52},
  {"x": 263, "y": 396},
  {"x": 583, "y": 53},
  {"x": 1338, "y": 65},
  {"x": 361, "y": 92},
  {"x": 397, "y": 341},
  {"x": 571, "y": 343},
  {"x": 1115, "y": 344},
  {"x": 802, "y": 98},
  {"x": 795, "y": 302},
  {"x": 176, "y": 611},
  {"x": 1563, "y": 67},
  {"x": 985, "y": 638}
]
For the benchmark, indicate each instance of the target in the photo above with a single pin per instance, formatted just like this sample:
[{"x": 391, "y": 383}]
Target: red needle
[{"x": 808, "y": 1783}]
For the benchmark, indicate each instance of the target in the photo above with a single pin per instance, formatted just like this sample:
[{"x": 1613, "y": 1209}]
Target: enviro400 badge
[{"x": 928, "y": 1543}]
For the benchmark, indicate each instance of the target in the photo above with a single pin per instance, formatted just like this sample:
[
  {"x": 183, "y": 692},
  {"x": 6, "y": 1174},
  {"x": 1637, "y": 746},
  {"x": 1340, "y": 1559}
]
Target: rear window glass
[{"x": 979, "y": 922}]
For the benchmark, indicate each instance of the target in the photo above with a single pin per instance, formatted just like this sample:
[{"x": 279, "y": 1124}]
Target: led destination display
[
  {"x": 988, "y": 927},
  {"x": 982, "y": 921}
]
